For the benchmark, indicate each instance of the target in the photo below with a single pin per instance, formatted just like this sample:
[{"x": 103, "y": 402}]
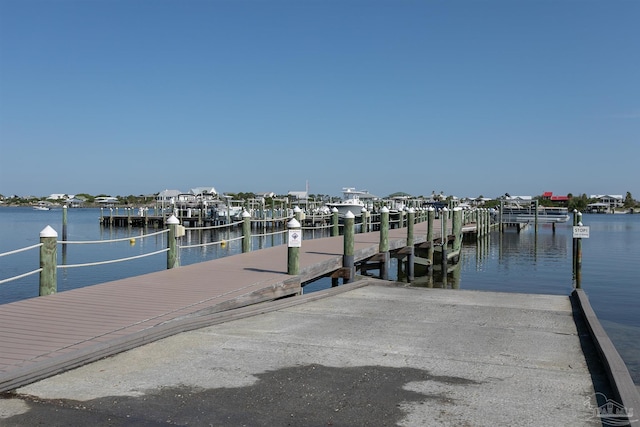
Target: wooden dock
[{"x": 46, "y": 335}]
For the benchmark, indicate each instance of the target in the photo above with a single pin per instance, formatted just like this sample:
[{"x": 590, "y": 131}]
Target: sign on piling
[
  {"x": 580, "y": 231},
  {"x": 293, "y": 250}
]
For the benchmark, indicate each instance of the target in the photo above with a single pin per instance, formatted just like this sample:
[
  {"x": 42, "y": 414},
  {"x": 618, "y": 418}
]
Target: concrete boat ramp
[{"x": 366, "y": 353}]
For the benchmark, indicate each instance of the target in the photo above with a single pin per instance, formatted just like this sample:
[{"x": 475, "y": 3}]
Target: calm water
[{"x": 527, "y": 262}]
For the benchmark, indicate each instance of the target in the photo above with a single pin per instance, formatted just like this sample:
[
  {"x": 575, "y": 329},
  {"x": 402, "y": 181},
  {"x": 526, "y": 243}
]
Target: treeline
[{"x": 577, "y": 202}]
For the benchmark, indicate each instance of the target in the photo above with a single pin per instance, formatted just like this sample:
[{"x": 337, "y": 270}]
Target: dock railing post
[
  {"x": 365, "y": 217},
  {"x": 383, "y": 247},
  {"x": 444, "y": 215},
  {"x": 431, "y": 218},
  {"x": 349, "y": 239},
  {"x": 575, "y": 240},
  {"x": 246, "y": 231},
  {"x": 578, "y": 254},
  {"x": 457, "y": 228},
  {"x": 411, "y": 256},
  {"x": 487, "y": 222},
  {"x": 172, "y": 242},
  {"x": 294, "y": 242},
  {"x": 64, "y": 222},
  {"x": 48, "y": 259},
  {"x": 335, "y": 230}
]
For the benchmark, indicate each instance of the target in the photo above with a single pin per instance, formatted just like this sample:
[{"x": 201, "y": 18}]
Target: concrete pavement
[{"x": 375, "y": 355}]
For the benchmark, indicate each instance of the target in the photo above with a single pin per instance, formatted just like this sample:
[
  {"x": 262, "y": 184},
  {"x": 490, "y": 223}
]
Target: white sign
[
  {"x": 295, "y": 238},
  {"x": 581, "y": 232}
]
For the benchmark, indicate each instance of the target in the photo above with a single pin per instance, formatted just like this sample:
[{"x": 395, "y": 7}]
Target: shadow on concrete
[{"x": 307, "y": 395}]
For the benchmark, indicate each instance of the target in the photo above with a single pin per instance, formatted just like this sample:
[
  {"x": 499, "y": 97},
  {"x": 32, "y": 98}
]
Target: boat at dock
[
  {"x": 516, "y": 214},
  {"x": 351, "y": 202}
]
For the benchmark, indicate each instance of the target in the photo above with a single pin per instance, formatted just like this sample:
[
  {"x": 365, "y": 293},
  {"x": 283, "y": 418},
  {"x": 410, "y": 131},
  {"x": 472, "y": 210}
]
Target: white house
[
  {"x": 298, "y": 195},
  {"x": 166, "y": 196},
  {"x": 266, "y": 195},
  {"x": 198, "y": 191},
  {"x": 613, "y": 200},
  {"x": 56, "y": 196},
  {"x": 106, "y": 200}
]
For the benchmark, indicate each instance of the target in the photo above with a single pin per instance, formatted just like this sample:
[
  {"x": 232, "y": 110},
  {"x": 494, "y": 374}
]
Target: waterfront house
[
  {"x": 75, "y": 202},
  {"x": 168, "y": 196},
  {"x": 613, "y": 200},
  {"x": 106, "y": 200},
  {"x": 266, "y": 195},
  {"x": 57, "y": 196},
  {"x": 298, "y": 195},
  {"x": 548, "y": 195},
  {"x": 204, "y": 191}
]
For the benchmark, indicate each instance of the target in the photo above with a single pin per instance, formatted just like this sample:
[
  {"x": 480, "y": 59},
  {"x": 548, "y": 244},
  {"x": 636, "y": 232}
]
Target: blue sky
[{"x": 467, "y": 98}]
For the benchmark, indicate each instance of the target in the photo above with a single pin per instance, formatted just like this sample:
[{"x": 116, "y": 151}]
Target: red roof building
[{"x": 548, "y": 195}]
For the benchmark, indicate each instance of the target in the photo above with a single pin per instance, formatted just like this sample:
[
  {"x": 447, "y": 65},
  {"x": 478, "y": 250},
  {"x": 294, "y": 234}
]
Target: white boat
[
  {"x": 350, "y": 202},
  {"x": 546, "y": 215},
  {"x": 231, "y": 212},
  {"x": 41, "y": 208}
]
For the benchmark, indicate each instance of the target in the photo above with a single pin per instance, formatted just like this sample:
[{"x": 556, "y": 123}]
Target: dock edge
[{"x": 623, "y": 386}]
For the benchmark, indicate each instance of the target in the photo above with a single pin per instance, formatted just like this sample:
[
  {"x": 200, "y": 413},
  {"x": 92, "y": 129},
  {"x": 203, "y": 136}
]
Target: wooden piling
[
  {"x": 365, "y": 218},
  {"x": 578, "y": 256},
  {"x": 335, "y": 230},
  {"x": 457, "y": 229},
  {"x": 246, "y": 231},
  {"x": 431, "y": 217},
  {"x": 443, "y": 223},
  {"x": 383, "y": 246},
  {"x": 411, "y": 217},
  {"x": 64, "y": 222},
  {"x": 487, "y": 222},
  {"x": 349, "y": 244},
  {"x": 574, "y": 242},
  {"x": 48, "y": 259},
  {"x": 293, "y": 247},
  {"x": 172, "y": 242}
]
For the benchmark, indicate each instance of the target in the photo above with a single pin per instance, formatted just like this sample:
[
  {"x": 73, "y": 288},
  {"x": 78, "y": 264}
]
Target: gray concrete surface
[{"x": 377, "y": 355}]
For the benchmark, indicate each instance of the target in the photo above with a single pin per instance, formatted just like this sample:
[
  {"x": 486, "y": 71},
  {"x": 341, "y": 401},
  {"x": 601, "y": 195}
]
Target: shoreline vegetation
[{"x": 579, "y": 203}]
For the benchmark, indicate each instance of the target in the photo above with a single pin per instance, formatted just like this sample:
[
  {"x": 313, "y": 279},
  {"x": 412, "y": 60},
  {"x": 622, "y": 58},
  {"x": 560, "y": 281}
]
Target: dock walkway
[{"x": 46, "y": 335}]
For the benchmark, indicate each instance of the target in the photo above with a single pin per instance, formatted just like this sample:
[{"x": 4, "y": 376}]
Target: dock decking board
[{"x": 96, "y": 321}]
